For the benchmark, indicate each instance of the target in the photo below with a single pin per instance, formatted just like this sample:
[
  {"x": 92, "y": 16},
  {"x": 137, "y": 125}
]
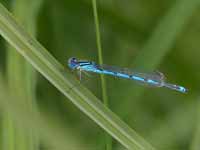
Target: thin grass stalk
[{"x": 108, "y": 140}]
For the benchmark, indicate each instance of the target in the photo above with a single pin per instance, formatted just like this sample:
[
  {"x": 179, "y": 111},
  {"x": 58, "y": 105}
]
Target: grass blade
[
  {"x": 40, "y": 124},
  {"x": 23, "y": 77},
  {"x": 100, "y": 55}
]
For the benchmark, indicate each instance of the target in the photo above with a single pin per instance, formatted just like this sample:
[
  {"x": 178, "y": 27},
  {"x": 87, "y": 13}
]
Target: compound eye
[
  {"x": 74, "y": 59},
  {"x": 72, "y": 63}
]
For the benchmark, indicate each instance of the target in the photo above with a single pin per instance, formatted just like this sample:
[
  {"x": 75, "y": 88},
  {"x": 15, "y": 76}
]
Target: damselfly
[{"x": 155, "y": 79}]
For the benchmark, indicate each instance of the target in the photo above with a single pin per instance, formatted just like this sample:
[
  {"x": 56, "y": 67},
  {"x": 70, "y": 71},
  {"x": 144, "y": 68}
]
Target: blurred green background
[{"x": 147, "y": 35}]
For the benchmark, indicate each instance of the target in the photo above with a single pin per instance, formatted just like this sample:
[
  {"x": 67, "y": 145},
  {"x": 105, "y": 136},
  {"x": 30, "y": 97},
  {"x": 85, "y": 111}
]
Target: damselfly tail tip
[
  {"x": 176, "y": 87},
  {"x": 183, "y": 89}
]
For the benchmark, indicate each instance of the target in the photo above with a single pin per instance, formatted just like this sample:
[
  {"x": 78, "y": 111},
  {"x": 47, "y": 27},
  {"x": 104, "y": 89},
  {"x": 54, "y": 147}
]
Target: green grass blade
[
  {"x": 8, "y": 132},
  {"x": 100, "y": 55},
  {"x": 99, "y": 47},
  {"x": 26, "y": 118},
  {"x": 22, "y": 81},
  {"x": 63, "y": 81}
]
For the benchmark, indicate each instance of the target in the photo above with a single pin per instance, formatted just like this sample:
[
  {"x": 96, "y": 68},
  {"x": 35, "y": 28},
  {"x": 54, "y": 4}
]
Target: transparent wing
[
  {"x": 154, "y": 79},
  {"x": 153, "y": 75},
  {"x": 157, "y": 76},
  {"x": 110, "y": 68}
]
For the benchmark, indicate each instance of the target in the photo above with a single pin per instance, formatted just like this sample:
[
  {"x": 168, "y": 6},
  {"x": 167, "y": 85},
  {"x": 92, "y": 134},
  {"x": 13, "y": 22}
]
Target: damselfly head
[{"x": 73, "y": 63}]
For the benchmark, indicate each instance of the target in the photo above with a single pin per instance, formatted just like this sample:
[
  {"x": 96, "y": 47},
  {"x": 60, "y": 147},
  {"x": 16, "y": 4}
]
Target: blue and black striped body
[{"x": 155, "y": 79}]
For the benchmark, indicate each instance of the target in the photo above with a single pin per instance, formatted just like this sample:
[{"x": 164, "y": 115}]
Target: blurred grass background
[{"x": 148, "y": 35}]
